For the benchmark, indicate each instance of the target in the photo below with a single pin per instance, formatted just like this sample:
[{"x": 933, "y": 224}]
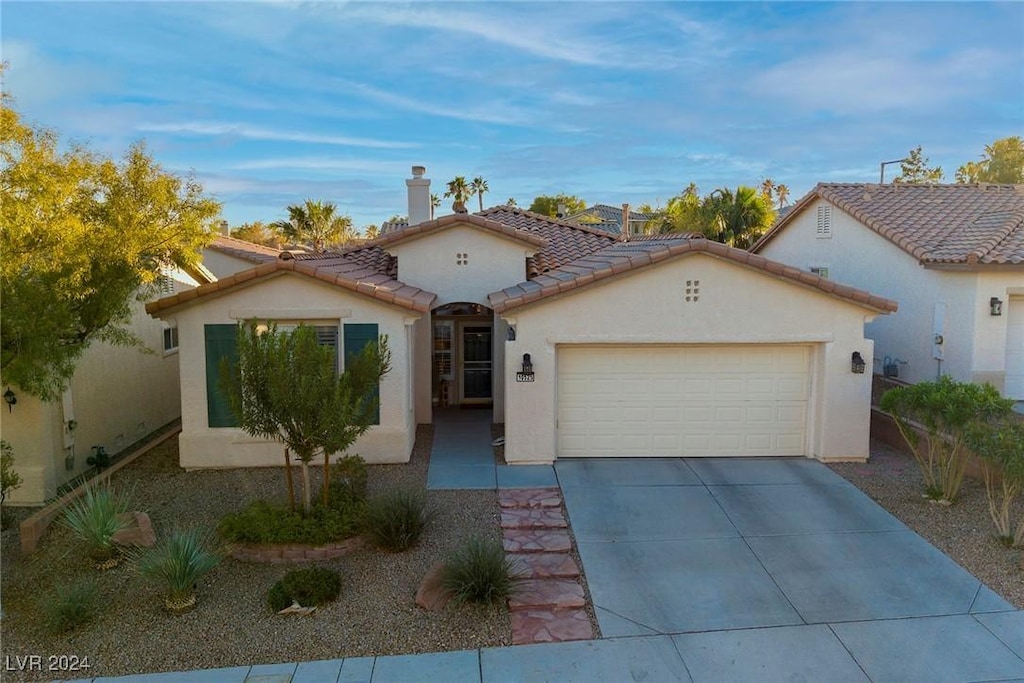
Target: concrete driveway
[{"x": 778, "y": 569}]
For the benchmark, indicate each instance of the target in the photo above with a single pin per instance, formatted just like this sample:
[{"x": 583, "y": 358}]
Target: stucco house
[
  {"x": 609, "y": 218},
  {"x": 952, "y": 255},
  {"x": 582, "y": 343},
  {"x": 116, "y": 397}
]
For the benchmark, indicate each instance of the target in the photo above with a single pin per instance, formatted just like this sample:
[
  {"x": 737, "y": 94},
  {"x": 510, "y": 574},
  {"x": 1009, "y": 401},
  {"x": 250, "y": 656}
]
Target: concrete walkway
[{"x": 730, "y": 570}]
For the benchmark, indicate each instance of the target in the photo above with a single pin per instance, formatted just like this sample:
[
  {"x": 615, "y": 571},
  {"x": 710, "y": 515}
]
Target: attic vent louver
[{"x": 824, "y": 226}]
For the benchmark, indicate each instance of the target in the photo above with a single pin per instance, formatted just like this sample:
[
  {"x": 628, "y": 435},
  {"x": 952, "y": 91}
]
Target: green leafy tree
[
  {"x": 479, "y": 186},
  {"x": 547, "y": 205},
  {"x": 257, "y": 232},
  {"x": 316, "y": 224},
  {"x": 82, "y": 236},
  {"x": 916, "y": 171},
  {"x": 286, "y": 386},
  {"x": 945, "y": 410},
  {"x": 1000, "y": 444},
  {"x": 460, "y": 191},
  {"x": 682, "y": 214},
  {"x": 1003, "y": 162},
  {"x": 9, "y": 477},
  {"x": 736, "y": 218}
]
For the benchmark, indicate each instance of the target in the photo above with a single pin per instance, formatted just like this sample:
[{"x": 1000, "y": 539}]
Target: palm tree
[
  {"x": 435, "y": 202},
  {"x": 768, "y": 189},
  {"x": 479, "y": 187},
  {"x": 736, "y": 218},
  {"x": 511, "y": 201},
  {"x": 782, "y": 192},
  {"x": 315, "y": 223},
  {"x": 461, "y": 191}
]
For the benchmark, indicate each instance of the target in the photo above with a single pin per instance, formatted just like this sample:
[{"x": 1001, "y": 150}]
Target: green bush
[
  {"x": 178, "y": 562},
  {"x": 396, "y": 519},
  {"x": 480, "y": 572},
  {"x": 309, "y": 586},
  {"x": 262, "y": 522},
  {"x": 349, "y": 476},
  {"x": 945, "y": 409},
  {"x": 1000, "y": 443},
  {"x": 71, "y": 606},
  {"x": 95, "y": 516},
  {"x": 9, "y": 477}
]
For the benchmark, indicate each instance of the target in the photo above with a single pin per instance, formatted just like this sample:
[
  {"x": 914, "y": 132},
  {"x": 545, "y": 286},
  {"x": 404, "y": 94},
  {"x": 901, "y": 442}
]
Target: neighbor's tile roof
[
  {"x": 499, "y": 228},
  {"x": 630, "y": 256},
  {"x": 256, "y": 253},
  {"x": 336, "y": 269},
  {"x": 936, "y": 224},
  {"x": 609, "y": 218}
]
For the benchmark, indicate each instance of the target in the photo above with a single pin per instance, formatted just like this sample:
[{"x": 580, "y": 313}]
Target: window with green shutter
[
  {"x": 221, "y": 342},
  {"x": 357, "y": 336}
]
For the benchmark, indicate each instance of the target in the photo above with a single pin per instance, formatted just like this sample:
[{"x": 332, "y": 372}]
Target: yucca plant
[
  {"x": 70, "y": 606},
  {"x": 178, "y": 562},
  {"x": 95, "y": 517},
  {"x": 480, "y": 572}
]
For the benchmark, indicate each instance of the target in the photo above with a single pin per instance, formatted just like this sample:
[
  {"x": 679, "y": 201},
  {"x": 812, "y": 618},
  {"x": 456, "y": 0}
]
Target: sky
[{"x": 271, "y": 103}]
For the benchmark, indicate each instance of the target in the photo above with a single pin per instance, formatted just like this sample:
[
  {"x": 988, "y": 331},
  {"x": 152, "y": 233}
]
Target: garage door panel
[{"x": 691, "y": 401}]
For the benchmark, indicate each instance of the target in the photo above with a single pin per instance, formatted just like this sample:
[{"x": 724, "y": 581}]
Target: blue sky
[{"x": 271, "y": 103}]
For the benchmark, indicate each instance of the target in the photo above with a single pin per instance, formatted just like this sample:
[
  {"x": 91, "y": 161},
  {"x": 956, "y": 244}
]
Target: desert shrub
[
  {"x": 480, "y": 571},
  {"x": 70, "y": 606},
  {"x": 309, "y": 586},
  {"x": 1000, "y": 444},
  {"x": 9, "y": 477},
  {"x": 178, "y": 562},
  {"x": 395, "y": 520},
  {"x": 262, "y": 522},
  {"x": 349, "y": 476},
  {"x": 95, "y": 516},
  {"x": 945, "y": 409}
]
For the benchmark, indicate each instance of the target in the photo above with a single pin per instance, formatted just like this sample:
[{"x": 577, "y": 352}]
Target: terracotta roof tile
[
  {"x": 478, "y": 220},
  {"x": 626, "y": 256},
  {"x": 936, "y": 224},
  {"x": 256, "y": 253}
]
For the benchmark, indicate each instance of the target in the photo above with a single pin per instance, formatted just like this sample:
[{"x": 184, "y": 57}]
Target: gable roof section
[
  {"x": 334, "y": 269},
  {"x": 247, "y": 251},
  {"x": 608, "y": 218},
  {"x": 939, "y": 225},
  {"x": 478, "y": 221},
  {"x": 623, "y": 257}
]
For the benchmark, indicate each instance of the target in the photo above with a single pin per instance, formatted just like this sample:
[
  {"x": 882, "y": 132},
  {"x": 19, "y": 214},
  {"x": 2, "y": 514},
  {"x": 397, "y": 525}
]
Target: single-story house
[
  {"x": 952, "y": 255},
  {"x": 116, "y": 397},
  {"x": 582, "y": 343}
]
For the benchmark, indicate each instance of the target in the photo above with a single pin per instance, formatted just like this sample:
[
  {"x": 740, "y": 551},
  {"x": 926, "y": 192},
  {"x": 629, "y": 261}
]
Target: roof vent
[{"x": 286, "y": 256}]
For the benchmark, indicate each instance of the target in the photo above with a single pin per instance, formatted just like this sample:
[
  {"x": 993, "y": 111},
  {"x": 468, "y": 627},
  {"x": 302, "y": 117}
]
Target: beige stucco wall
[
  {"x": 292, "y": 298},
  {"x": 118, "y": 395},
  {"x": 222, "y": 265},
  {"x": 737, "y": 305},
  {"x": 973, "y": 346}
]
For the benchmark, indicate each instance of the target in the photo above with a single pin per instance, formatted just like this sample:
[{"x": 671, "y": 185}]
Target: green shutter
[
  {"x": 221, "y": 342},
  {"x": 357, "y": 336}
]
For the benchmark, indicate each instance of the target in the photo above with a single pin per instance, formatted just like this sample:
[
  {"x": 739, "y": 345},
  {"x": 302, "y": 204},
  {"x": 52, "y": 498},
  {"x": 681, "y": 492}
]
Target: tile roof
[
  {"x": 335, "y": 269},
  {"x": 247, "y": 251},
  {"x": 628, "y": 256},
  {"x": 976, "y": 224},
  {"x": 499, "y": 228},
  {"x": 609, "y": 218}
]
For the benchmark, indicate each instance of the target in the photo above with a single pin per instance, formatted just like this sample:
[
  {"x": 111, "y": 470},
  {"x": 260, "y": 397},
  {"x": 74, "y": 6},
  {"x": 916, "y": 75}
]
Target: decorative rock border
[{"x": 294, "y": 553}]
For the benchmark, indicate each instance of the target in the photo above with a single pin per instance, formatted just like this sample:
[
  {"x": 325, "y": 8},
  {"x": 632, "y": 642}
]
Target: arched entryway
[{"x": 462, "y": 361}]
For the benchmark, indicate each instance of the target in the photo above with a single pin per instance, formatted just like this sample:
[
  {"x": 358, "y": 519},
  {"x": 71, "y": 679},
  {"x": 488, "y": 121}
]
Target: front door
[{"x": 476, "y": 363}]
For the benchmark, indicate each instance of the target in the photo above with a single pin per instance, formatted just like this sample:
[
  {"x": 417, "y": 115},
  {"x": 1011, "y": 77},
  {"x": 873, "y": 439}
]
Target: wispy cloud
[
  {"x": 364, "y": 167},
  {"x": 213, "y": 129}
]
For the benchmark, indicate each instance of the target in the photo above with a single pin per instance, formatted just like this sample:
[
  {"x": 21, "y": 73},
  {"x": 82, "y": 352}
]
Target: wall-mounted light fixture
[
  {"x": 10, "y": 399},
  {"x": 526, "y": 374},
  {"x": 857, "y": 363},
  {"x": 995, "y": 306},
  {"x": 511, "y": 334}
]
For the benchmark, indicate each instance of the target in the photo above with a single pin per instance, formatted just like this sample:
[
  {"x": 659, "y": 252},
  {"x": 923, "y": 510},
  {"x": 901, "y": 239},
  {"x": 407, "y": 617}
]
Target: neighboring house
[
  {"x": 227, "y": 255},
  {"x": 952, "y": 255},
  {"x": 609, "y": 219},
  {"x": 653, "y": 347},
  {"x": 116, "y": 397}
]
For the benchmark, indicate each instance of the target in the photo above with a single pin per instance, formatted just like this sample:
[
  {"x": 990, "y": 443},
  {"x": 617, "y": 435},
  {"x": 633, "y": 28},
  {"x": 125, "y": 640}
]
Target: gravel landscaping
[{"x": 375, "y": 615}]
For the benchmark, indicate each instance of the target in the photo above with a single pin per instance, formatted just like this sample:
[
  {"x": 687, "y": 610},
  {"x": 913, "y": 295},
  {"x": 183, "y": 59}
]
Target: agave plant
[
  {"x": 95, "y": 517},
  {"x": 178, "y": 562}
]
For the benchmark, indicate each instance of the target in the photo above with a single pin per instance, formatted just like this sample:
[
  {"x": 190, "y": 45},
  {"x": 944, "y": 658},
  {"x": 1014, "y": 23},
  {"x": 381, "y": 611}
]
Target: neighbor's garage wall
[{"x": 738, "y": 305}]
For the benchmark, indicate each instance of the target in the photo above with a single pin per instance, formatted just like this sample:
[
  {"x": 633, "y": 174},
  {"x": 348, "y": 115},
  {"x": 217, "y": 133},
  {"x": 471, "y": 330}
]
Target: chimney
[
  {"x": 562, "y": 210},
  {"x": 419, "y": 196},
  {"x": 225, "y": 229},
  {"x": 625, "y": 223}
]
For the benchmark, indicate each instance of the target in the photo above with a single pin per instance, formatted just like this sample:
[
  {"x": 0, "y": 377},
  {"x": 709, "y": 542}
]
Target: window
[
  {"x": 221, "y": 343},
  {"x": 821, "y": 271},
  {"x": 824, "y": 226},
  {"x": 170, "y": 339},
  {"x": 357, "y": 336}
]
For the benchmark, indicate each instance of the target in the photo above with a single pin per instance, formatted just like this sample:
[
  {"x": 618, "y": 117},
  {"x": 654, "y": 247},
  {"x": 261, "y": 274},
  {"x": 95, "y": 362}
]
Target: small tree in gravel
[
  {"x": 944, "y": 409},
  {"x": 9, "y": 478},
  {"x": 287, "y": 387},
  {"x": 1001, "y": 446}
]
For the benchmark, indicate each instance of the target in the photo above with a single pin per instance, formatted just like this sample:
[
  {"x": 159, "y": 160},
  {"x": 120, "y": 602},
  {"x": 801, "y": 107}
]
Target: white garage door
[
  {"x": 1015, "y": 349},
  {"x": 618, "y": 401}
]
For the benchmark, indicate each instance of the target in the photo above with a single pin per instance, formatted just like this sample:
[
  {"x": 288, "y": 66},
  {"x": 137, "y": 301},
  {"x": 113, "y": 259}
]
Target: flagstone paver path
[{"x": 549, "y": 605}]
